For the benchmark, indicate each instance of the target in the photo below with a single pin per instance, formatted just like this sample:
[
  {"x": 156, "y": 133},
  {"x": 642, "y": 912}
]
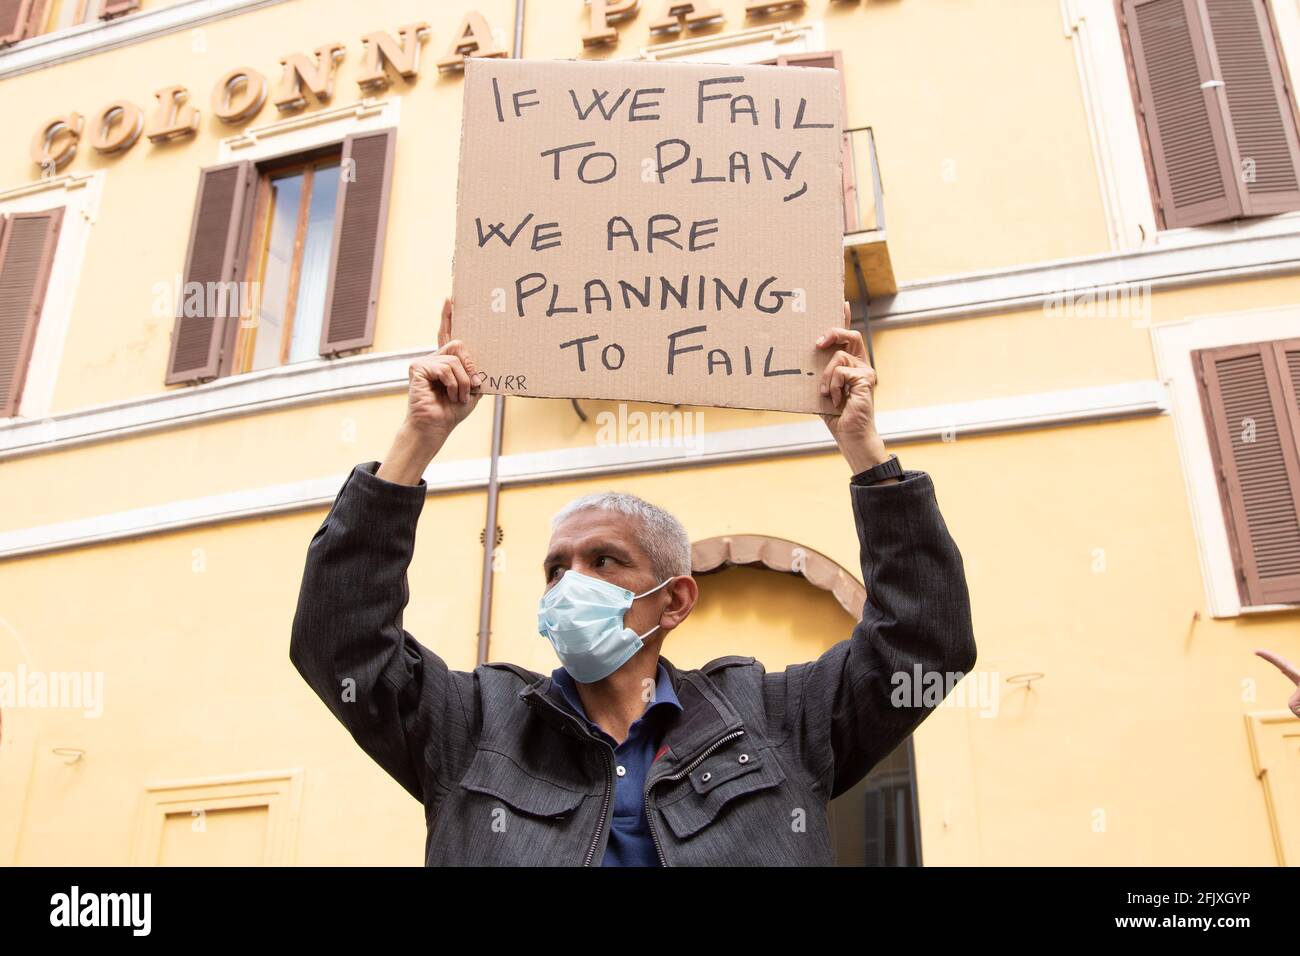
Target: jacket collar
[{"x": 706, "y": 715}]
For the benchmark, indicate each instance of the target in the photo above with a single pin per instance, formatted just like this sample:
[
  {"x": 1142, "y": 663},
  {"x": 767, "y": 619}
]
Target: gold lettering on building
[
  {"x": 116, "y": 127},
  {"x": 301, "y": 73},
  {"x": 238, "y": 95},
  {"x": 173, "y": 118},
  {"x": 402, "y": 55},
  {"x": 690, "y": 16},
  {"x": 472, "y": 38},
  {"x": 55, "y": 143},
  {"x": 604, "y": 14},
  {"x": 761, "y": 8}
]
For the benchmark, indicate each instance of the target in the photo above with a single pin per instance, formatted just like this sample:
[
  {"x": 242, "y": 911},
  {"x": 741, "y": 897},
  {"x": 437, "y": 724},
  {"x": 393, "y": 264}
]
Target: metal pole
[
  {"x": 862, "y": 296},
  {"x": 498, "y": 428}
]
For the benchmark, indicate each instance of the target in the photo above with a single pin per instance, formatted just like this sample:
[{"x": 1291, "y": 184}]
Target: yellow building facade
[{"x": 1069, "y": 333}]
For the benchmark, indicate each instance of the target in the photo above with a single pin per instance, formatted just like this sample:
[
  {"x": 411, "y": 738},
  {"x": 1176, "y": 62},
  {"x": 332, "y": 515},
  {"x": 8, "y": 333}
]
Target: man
[{"x": 618, "y": 757}]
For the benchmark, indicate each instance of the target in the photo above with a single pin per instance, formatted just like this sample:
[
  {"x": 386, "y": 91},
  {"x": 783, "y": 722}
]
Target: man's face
[{"x": 604, "y": 544}]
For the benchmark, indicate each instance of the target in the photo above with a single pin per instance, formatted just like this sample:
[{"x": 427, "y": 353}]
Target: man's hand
[
  {"x": 1293, "y": 675},
  {"x": 440, "y": 395},
  {"x": 851, "y": 383}
]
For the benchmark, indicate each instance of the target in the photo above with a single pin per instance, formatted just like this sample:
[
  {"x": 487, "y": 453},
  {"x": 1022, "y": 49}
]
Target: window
[
  {"x": 833, "y": 60},
  {"x": 27, "y": 244},
  {"x": 284, "y": 260},
  {"x": 875, "y": 823},
  {"x": 293, "y": 223},
  {"x": 1251, "y": 399},
  {"x": 21, "y": 19},
  {"x": 1217, "y": 116}
]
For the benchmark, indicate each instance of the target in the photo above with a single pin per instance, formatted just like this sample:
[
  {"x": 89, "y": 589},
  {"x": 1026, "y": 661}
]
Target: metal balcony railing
[{"x": 864, "y": 209}]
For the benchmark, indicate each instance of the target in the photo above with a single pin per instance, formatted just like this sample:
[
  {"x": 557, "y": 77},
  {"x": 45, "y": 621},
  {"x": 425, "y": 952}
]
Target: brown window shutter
[
  {"x": 216, "y": 253},
  {"x": 360, "y": 220},
  {"x": 27, "y": 246},
  {"x": 20, "y": 19},
  {"x": 1249, "y": 398},
  {"x": 1185, "y": 122},
  {"x": 834, "y": 60},
  {"x": 118, "y": 8},
  {"x": 1262, "y": 123}
]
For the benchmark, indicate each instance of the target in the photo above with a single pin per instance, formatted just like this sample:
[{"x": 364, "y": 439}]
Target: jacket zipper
[
  {"x": 650, "y": 817},
  {"x": 609, "y": 776},
  {"x": 604, "y": 807}
]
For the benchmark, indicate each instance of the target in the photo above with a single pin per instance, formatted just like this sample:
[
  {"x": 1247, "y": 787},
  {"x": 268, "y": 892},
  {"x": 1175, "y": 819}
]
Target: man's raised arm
[
  {"x": 396, "y": 697},
  {"x": 846, "y": 707}
]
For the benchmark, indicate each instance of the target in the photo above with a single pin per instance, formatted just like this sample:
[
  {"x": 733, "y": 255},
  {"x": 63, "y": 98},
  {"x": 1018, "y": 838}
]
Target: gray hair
[{"x": 662, "y": 536}]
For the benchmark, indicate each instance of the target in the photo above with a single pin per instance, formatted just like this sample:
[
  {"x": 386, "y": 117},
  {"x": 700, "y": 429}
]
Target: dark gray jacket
[{"x": 508, "y": 776}]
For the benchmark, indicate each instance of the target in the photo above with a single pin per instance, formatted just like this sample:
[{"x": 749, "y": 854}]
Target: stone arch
[{"x": 787, "y": 557}]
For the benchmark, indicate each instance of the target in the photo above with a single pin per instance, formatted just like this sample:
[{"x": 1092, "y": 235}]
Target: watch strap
[{"x": 889, "y": 468}]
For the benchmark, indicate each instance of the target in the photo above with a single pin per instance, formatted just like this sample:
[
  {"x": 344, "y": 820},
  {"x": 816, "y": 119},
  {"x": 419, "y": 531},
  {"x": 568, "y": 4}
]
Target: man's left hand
[{"x": 850, "y": 383}]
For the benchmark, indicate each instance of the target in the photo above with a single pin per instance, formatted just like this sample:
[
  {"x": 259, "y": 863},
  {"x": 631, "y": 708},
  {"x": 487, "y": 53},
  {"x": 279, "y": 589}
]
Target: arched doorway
[{"x": 784, "y": 603}]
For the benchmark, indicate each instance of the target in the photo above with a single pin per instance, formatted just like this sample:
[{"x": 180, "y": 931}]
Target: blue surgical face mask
[{"x": 582, "y": 617}]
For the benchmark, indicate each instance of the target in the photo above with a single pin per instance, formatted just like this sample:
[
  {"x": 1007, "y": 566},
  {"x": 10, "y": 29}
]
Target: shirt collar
[{"x": 664, "y": 693}]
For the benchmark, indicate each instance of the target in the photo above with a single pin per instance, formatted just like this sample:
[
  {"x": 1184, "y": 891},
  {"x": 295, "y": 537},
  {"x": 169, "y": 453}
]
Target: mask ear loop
[
  {"x": 655, "y": 588},
  {"x": 646, "y": 594}
]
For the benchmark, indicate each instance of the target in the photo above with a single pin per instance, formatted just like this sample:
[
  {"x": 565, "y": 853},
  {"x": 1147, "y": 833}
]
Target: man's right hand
[{"x": 440, "y": 395}]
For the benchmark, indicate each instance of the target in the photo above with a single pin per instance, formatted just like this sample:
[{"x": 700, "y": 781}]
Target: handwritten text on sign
[{"x": 663, "y": 232}]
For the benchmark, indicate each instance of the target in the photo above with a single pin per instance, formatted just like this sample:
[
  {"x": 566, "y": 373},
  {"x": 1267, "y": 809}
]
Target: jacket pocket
[
  {"x": 736, "y": 775},
  {"x": 496, "y": 775}
]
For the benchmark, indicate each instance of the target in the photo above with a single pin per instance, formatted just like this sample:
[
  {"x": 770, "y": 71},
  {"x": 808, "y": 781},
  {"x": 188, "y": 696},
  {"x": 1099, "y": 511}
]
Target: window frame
[
  {"x": 79, "y": 197},
  {"x": 1240, "y": 541},
  {"x": 237, "y": 349},
  {"x": 1289, "y": 80},
  {"x": 1173, "y": 345}
]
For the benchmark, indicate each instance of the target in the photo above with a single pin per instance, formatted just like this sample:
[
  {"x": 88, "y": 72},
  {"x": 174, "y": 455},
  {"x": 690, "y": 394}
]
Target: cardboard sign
[{"x": 662, "y": 232}]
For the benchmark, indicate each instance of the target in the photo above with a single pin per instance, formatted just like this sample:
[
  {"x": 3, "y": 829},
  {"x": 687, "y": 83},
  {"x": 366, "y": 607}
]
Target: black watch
[{"x": 890, "y": 468}]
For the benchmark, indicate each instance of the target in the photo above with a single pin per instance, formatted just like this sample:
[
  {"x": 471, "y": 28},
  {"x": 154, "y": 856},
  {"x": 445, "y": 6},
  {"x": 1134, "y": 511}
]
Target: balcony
[{"x": 866, "y": 253}]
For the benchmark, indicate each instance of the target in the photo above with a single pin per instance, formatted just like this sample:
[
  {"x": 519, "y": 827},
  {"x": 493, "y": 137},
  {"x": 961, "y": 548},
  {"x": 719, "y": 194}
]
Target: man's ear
[{"x": 683, "y": 592}]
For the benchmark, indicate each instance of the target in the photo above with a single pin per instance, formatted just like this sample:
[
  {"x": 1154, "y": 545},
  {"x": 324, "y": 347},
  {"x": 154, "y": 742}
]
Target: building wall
[{"x": 1071, "y": 507}]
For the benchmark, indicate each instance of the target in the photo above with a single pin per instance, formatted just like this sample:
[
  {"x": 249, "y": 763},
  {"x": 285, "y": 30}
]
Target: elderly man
[{"x": 618, "y": 758}]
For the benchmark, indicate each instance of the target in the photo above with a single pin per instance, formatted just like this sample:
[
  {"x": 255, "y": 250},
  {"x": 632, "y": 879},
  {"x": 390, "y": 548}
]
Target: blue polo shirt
[{"x": 630, "y": 842}]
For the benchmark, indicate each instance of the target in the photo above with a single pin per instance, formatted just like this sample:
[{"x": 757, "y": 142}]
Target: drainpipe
[{"x": 498, "y": 426}]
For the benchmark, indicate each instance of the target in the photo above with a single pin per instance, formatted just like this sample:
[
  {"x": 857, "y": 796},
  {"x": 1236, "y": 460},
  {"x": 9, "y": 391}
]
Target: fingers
[
  {"x": 847, "y": 378},
  {"x": 448, "y": 370},
  {"x": 1282, "y": 664},
  {"x": 458, "y": 348},
  {"x": 448, "y": 379},
  {"x": 848, "y": 340},
  {"x": 845, "y": 338},
  {"x": 840, "y": 359},
  {"x": 461, "y": 377},
  {"x": 444, "y": 328}
]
